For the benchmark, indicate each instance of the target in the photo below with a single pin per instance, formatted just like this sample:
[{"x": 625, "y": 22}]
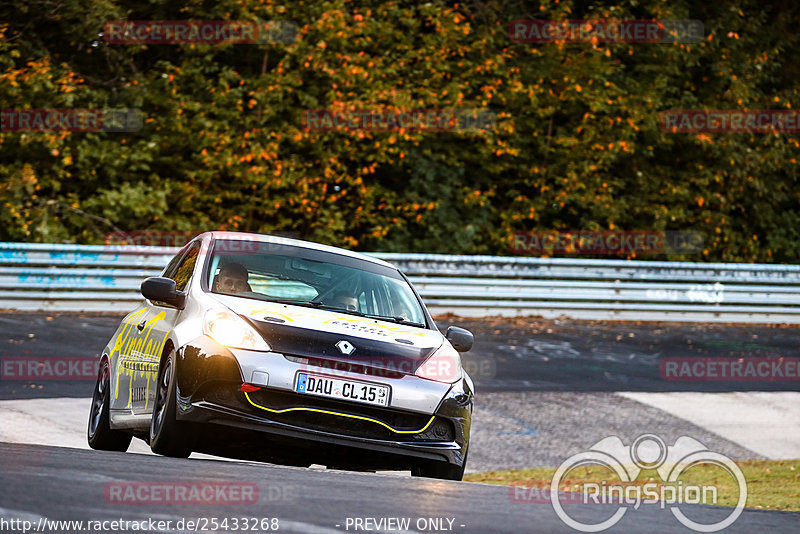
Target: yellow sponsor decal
[
  {"x": 138, "y": 355},
  {"x": 126, "y": 330}
]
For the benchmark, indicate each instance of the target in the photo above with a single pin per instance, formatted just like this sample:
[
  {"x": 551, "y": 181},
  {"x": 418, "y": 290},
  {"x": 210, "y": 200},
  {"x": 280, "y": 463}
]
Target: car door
[
  {"x": 161, "y": 319},
  {"x": 136, "y": 366},
  {"x": 125, "y": 350}
]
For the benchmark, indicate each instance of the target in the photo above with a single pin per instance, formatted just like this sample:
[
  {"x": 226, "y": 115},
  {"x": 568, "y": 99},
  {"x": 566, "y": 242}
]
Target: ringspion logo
[{"x": 647, "y": 452}]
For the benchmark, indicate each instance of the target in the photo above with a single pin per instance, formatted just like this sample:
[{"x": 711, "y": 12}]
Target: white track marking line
[{"x": 765, "y": 422}]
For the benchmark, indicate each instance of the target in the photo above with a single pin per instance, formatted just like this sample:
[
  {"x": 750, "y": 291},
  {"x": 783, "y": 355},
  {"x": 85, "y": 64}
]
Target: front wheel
[
  {"x": 166, "y": 436},
  {"x": 100, "y": 435}
]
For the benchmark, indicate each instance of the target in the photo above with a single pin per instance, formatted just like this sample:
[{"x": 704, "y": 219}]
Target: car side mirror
[
  {"x": 460, "y": 338},
  {"x": 160, "y": 289}
]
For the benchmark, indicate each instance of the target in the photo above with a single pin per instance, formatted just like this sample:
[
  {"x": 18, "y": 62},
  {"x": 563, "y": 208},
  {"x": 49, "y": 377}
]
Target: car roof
[{"x": 266, "y": 238}]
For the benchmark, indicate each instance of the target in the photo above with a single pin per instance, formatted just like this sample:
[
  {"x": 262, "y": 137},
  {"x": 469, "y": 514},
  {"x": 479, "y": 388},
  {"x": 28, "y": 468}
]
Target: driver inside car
[
  {"x": 345, "y": 301},
  {"x": 232, "y": 278}
]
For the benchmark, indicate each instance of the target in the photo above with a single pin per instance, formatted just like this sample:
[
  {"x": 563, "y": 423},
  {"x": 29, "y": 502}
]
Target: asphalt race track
[
  {"x": 59, "y": 483},
  {"x": 518, "y": 354},
  {"x": 546, "y": 390}
]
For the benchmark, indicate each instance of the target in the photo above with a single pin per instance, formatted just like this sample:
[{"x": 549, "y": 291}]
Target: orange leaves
[{"x": 705, "y": 138}]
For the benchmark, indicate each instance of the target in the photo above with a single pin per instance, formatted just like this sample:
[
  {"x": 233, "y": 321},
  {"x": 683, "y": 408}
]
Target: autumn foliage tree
[{"x": 576, "y": 144}]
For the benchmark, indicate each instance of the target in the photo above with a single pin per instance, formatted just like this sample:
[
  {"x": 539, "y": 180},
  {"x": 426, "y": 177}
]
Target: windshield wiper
[
  {"x": 394, "y": 319},
  {"x": 306, "y": 303},
  {"x": 338, "y": 309}
]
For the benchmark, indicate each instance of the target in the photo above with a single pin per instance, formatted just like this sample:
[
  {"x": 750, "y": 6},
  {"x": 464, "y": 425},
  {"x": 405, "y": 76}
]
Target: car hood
[{"x": 313, "y": 333}]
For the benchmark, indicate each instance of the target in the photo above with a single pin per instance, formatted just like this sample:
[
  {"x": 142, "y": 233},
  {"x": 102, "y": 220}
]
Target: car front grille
[
  {"x": 347, "y": 418},
  {"x": 323, "y": 365}
]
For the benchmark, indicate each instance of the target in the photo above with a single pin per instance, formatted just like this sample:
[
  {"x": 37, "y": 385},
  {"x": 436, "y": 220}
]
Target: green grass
[{"x": 771, "y": 484}]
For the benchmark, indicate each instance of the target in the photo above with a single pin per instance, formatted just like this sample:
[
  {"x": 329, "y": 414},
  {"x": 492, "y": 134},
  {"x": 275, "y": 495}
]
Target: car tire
[
  {"x": 167, "y": 437},
  {"x": 99, "y": 433},
  {"x": 441, "y": 470}
]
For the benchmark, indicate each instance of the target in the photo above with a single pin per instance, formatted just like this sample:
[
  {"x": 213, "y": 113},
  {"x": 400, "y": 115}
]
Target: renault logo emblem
[{"x": 345, "y": 347}]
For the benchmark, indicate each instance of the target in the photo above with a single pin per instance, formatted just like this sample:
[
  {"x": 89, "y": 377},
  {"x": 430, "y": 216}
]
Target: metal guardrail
[{"x": 44, "y": 277}]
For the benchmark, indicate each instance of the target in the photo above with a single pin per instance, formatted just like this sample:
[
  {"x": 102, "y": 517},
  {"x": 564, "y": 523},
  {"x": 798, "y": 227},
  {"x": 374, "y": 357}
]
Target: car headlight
[
  {"x": 444, "y": 365},
  {"x": 227, "y": 328}
]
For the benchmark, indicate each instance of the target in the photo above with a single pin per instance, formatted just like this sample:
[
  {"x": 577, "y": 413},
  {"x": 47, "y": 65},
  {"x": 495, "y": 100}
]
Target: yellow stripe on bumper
[{"x": 285, "y": 410}]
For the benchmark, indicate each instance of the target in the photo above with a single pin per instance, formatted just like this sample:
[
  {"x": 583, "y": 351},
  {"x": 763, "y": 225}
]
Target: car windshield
[{"x": 314, "y": 278}]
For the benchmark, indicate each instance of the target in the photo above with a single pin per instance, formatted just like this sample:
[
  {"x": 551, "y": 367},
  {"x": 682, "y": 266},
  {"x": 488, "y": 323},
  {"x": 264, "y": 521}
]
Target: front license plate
[{"x": 339, "y": 388}]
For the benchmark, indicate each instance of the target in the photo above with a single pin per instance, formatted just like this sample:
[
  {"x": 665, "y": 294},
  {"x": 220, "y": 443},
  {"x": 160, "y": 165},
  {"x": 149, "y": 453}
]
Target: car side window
[
  {"x": 185, "y": 267},
  {"x": 172, "y": 267}
]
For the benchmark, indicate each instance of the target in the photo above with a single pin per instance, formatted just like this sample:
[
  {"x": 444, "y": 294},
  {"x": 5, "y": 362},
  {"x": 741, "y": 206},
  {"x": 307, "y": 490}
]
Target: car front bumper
[{"x": 277, "y": 423}]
